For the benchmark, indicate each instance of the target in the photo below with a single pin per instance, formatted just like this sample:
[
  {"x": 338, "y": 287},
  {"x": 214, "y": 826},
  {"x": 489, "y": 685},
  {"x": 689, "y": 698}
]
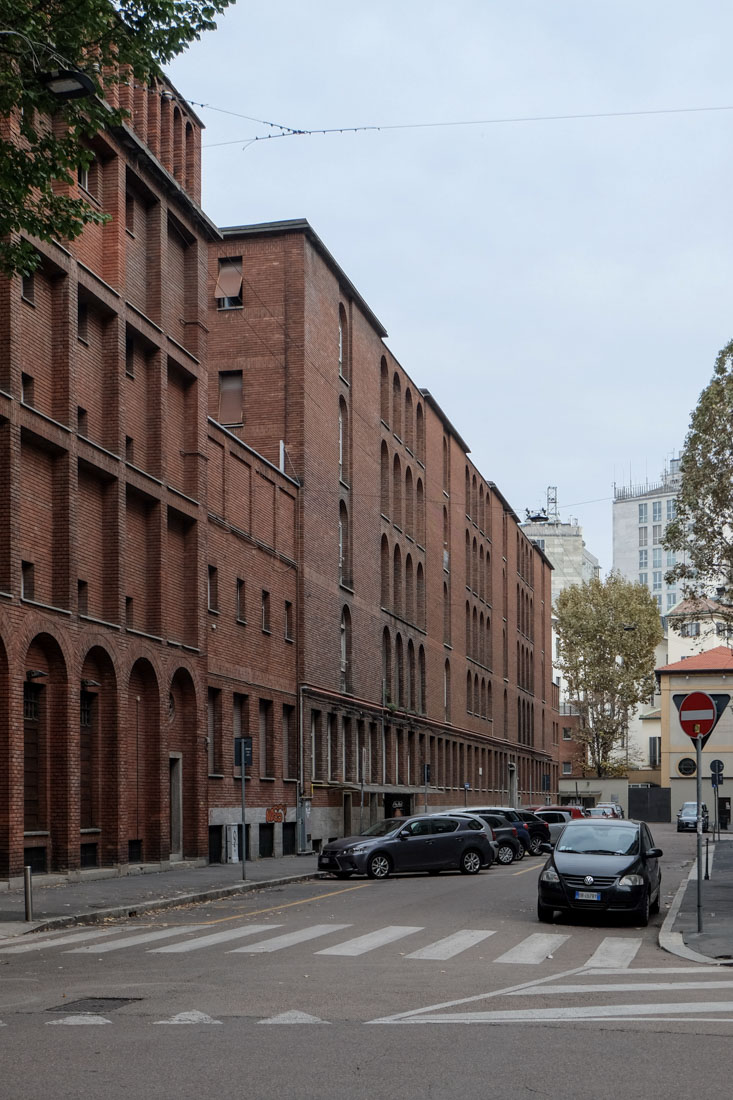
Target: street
[{"x": 325, "y": 989}]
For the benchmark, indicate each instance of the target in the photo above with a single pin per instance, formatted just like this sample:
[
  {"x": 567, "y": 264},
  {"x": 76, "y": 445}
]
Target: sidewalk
[
  {"x": 679, "y": 933},
  {"x": 58, "y": 902}
]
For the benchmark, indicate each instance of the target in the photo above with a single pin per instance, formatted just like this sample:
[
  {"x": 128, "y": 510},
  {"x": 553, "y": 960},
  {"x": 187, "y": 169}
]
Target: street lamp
[{"x": 67, "y": 84}]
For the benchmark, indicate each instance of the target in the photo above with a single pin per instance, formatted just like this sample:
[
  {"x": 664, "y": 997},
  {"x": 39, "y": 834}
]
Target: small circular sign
[
  {"x": 717, "y": 766},
  {"x": 686, "y": 766}
]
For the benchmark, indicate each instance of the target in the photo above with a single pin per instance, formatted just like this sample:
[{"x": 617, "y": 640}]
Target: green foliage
[
  {"x": 131, "y": 37},
  {"x": 702, "y": 531},
  {"x": 607, "y": 632}
]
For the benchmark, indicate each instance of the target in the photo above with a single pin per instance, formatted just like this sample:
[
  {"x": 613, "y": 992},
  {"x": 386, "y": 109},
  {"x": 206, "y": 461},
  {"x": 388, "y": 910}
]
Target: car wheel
[
  {"x": 654, "y": 905},
  {"x": 545, "y": 913},
  {"x": 343, "y": 874},
  {"x": 505, "y": 854},
  {"x": 534, "y": 845},
  {"x": 641, "y": 916},
  {"x": 378, "y": 865},
  {"x": 520, "y": 854},
  {"x": 470, "y": 862}
]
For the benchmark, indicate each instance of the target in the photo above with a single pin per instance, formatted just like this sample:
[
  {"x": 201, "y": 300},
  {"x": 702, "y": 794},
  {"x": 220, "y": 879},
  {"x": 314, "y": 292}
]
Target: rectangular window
[
  {"x": 130, "y": 213},
  {"x": 657, "y": 511},
  {"x": 671, "y": 599},
  {"x": 655, "y": 752},
  {"x": 82, "y": 597},
  {"x": 267, "y": 737},
  {"x": 642, "y": 536},
  {"x": 27, "y": 580},
  {"x": 230, "y": 397},
  {"x": 658, "y": 601},
  {"x": 290, "y": 744},
  {"x": 643, "y": 559},
  {"x": 214, "y": 731},
  {"x": 240, "y": 719},
  {"x": 657, "y": 557},
  {"x": 28, "y": 288},
  {"x": 130, "y": 357},
  {"x": 265, "y": 611},
  {"x": 82, "y": 322},
  {"x": 644, "y": 579},
  {"x": 671, "y": 559},
  {"x": 213, "y": 588},
  {"x": 671, "y": 510},
  {"x": 643, "y": 513},
  {"x": 82, "y": 176},
  {"x": 567, "y": 767},
  {"x": 27, "y": 389},
  {"x": 289, "y": 635},
  {"x": 567, "y": 734},
  {"x": 82, "y": 421},
  {"x": 241, "y": 601},
  {"x": 228, "y": 290},
  {"x": 657, "y": 581},
  {"x": 657, "y": 532}
]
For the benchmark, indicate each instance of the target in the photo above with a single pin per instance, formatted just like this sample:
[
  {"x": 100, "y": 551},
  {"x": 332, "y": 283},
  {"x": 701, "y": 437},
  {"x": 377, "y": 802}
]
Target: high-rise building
[{"x": 641, "y": 513}]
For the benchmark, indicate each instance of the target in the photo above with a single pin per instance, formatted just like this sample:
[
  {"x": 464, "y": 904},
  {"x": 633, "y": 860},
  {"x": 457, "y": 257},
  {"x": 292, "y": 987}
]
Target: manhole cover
[{"x": 94, "y": 1004}]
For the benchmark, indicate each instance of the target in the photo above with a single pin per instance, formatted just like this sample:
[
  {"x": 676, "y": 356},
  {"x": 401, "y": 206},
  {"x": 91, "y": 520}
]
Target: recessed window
[
  {"x": 28, "y": 288},
  {"x": 265, "y": 611},
  {"x": 567, "y": 767},
  {"x": 82, "y": 421},
  {"x": 230, "y": 397},
  {"x": 241, "y": 601},
  {"x": 83, "y": 597},
  {"x": 82, "y": 176},
  {"x": 27, "y": 580},
  {"x": 129, "y": 449},
  {"x": 130, "y": 213},
  {"x": 567, "y": 733},
  {"x": 213, "y": 588},
  {"x": 82, "y": 322},
  {"x": 130, "y": 357},
  {"x": 289, "y": 625},
  {"x": 228, "y": 290},
  {"x": 130, "y": 612},
  {"x": 27, "y": 389}
]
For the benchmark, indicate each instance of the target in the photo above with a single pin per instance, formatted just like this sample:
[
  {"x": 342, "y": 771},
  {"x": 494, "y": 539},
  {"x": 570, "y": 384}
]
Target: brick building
[{"x": 423, "y": 626}]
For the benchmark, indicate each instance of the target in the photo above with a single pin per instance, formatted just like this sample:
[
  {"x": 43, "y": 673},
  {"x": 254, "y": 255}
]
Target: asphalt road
[{"x": 412, "y": 987}]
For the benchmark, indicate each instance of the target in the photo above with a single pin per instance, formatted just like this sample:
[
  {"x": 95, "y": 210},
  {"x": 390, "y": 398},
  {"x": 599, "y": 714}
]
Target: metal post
[
  {"x": 28, "y": 886},
  {"x": 244, "y": 818},
  {"x": 698, "y": 753},
  {"x": 707, "y": 856}
]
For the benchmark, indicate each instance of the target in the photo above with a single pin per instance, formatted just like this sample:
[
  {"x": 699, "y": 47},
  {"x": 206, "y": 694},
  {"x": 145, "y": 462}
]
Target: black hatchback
[{"x": 601, "y": 866}]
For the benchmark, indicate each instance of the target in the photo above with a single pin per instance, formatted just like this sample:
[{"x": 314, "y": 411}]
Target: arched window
[
  {"x": 468, "y": 629},
  {"x": 469, "y": 693},
  {"x": 385, "y": 564},
  {"x": 481, "y": 509},
  {"x": 420, "y": 512},
  {"x": 446, "y": 466},
  {"x": 421, "y": 679},
  {"x": 467, "y": 491},
  {"x": 489, "y": 646},
  {"x": 397, "y": 492},
  {"x": 445, "y": 534},
  {"x": 177, "y": 144},
  {"x": 344, "y": 545},
  {"x": 468, "y": 560},
  {"x": 483, "y": 698},
  {"x": 344, "y": 442},
  {"x": 387, "y": 666},
  {"x": 409, "y": 590},
  {"x": 409, "y": 504},
  {"x": 420, "y": 595},
  {"x": 481, "y": 640},
  {"x": 488, "y": 576},
  {"x": 411, "y": 685},
  {"x": 474, "y": 563},
  {"x": 446, "y": 613},
  {"x": 476, "y": 695},
  {"x": 474, "y": 499},
  {"x": 396, "y": 406},
  {"x": 384, "y": 373},
  {"x": 420, "y": 433},
  {"x": 474, "y": 648},
  {"x": 481, "y": 572},
  {"x": 345, "y": 649},
  {"x": 399, "y": 672},
  {"x": 190, "y": 158},
  {"x": 343, "y": 346},
  {"x": 409, "y": 421},
  {"x": 489, "y": 701},
  {"x": 446, "y": 691},
  {"x": 385, "y": 480},
  {"x": 397, "y": 581}
]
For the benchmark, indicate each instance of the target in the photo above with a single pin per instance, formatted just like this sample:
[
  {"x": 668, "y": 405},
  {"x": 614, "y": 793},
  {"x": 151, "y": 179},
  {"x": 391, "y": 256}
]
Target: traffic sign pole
[{"x": 698, "y": 751}]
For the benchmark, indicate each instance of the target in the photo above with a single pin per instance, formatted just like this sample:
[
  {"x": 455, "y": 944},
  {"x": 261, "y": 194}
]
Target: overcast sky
[{"x": 561, "y": 287}]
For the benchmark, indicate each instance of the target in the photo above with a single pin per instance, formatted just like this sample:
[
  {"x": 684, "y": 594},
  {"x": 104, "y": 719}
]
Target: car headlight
[
  {"x": 631, "y": 880},
  {"x": 357, "y": 848},
  {"x": 549, "y": 875}
]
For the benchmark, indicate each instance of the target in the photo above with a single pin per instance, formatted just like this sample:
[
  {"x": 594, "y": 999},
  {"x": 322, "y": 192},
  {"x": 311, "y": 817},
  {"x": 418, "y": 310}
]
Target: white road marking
[
  {"x": 76, "y": 937},
  {"x": 362, "y": 944},
  {"x": 215, "y": 938},
  {"x": 615, "y": 951},
  {"x": 135, "y": 941},
  {"x": 622, "y": 987},
  {"x": 288, "y": 939},
  {"x": 192, "y": 1017},
  {"x": 534, "y": 949},
  {"x": 451, "y": 945},
  {"x": 74, "y": 1021},
  {"x": 578, "y": 1012},
  {"x": 294, "y": 1018}
]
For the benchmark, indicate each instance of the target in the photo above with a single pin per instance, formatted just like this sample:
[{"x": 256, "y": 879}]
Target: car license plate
[{"x": 587, "y": 895}]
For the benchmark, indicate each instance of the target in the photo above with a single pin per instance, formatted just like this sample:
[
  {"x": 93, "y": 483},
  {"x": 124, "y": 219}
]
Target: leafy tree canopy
[
  {"x": 109, "y": 42},
  {"x": 702, "y": 531},
  {"x": 607, "y": 632}
]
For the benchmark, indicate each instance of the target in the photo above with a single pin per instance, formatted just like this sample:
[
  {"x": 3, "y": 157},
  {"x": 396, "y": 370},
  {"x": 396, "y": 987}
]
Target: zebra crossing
[{"x": 612, "y": 952}]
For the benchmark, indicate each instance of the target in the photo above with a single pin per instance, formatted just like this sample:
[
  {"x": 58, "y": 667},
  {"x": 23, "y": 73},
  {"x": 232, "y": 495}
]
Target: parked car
[
  {"x": 602, "y": 865},
  {"x": 512, "y": 816},
  {"x": 556, "y": 821},
  {"x": 420, "y": 843},
  {"x": 614, "y": 808},
  {"x": 574, "y": 811},
  {"x": 539, "y": 831},
  {"x": 600, "y": 811},
  {"x": 687, "y": 817},
  {"x": 510, "y": 847}
]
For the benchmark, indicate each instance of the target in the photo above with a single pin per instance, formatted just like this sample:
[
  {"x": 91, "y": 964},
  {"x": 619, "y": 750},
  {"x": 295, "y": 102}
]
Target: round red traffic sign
[{"x": 697, "y": 714}]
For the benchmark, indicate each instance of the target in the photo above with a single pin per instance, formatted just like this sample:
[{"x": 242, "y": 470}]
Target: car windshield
[
  {"x": 589, "y": 840},
  {"x": 381, "y": 828}
]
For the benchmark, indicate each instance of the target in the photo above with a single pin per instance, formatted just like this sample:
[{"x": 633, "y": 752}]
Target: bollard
[
  {"x": 28, "y": 884},
  {"x": 707, "y": 853}
]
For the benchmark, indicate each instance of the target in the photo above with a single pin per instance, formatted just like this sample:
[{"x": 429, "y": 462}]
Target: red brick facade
[{"x": 227, "y": 511}]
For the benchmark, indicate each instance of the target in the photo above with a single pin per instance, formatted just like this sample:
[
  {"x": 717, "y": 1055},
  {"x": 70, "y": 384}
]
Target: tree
[
  {"x": 702, "y": 531},
  {"x": 607, "y": 632},
  {"x": 43, "y": 141}
]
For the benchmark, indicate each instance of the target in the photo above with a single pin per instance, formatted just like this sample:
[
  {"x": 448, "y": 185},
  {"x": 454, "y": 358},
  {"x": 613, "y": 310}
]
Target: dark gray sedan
[{"x": 420, "y": 843}]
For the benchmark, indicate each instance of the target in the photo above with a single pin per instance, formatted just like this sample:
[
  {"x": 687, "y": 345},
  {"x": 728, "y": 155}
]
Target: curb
[
  {"x": 152, "y": 905},
  {"x": 673, "y": 942}
]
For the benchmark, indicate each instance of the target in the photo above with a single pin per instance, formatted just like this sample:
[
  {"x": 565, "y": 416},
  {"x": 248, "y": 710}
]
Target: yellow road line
[
  {"x": 288, "y": 904},
  {"x": 524, "y": 870}
]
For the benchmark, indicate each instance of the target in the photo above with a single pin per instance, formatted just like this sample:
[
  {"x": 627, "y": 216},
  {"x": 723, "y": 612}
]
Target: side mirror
[
  {"x": 545, "y": 846},
  {"x": 404, "y": 834},
  {"x": 654, "y": 853}
]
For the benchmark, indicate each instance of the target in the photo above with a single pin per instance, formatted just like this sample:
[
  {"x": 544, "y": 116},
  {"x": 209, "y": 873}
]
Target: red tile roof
[{"x": 719, "y": 659}]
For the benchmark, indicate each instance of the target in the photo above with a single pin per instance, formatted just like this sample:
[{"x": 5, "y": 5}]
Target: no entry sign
[{"x": 698, "y": 714}]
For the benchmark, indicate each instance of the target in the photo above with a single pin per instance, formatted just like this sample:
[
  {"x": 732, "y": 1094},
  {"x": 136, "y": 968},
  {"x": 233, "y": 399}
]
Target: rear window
[{"x": 445, "y": 825}]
